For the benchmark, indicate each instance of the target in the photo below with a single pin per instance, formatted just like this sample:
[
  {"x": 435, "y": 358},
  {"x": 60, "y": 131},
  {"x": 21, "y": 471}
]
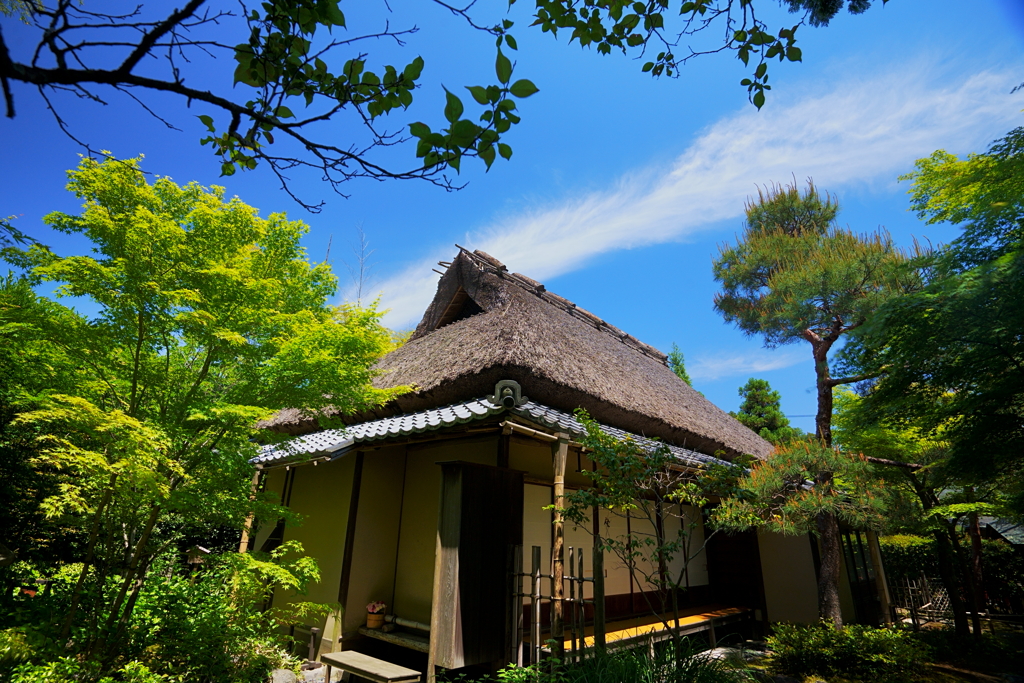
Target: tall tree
[
  {"x": 951, "y": 357},
  {"x": 208, "y": 319},
  {"x": 293, "y": 84},
  {"x": 761, "y": 411},
  {"x": 677, "y": 363},
  {"x": 924, "y": 494},
  {"x": 794, "y": 276}
]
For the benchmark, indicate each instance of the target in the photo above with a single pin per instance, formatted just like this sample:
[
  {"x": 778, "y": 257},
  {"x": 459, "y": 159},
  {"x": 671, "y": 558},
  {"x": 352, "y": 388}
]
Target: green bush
[
  {"x": 856, "y": 652},
  {"x": 999, "y": 653},
  {"x": 14, "y": 650},
  {"x": 684, "y": 664},
  {"x": 905, "y": 557}
]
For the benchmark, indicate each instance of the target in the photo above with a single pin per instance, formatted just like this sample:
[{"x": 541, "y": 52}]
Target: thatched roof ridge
[{"x": 486, "y": 324}]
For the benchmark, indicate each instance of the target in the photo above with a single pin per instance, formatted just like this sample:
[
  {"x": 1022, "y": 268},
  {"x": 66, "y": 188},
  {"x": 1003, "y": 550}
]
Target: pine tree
[
  {"x": 795, "y": 275},
  {"x": 678, "y": 364},
  {"x": 761, "y": 412}
]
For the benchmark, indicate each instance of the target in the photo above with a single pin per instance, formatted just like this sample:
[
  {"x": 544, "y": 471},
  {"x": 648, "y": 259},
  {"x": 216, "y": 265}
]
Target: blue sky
[{"x": 621, "y": 187}]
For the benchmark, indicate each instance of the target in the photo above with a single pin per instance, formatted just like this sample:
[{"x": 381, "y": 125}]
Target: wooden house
[{"x": 424, "y": 503}]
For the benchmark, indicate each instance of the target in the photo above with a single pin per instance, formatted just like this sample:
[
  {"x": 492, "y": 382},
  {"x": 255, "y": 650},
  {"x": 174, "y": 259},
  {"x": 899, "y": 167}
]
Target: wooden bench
[{"x": 370, "y": 668}]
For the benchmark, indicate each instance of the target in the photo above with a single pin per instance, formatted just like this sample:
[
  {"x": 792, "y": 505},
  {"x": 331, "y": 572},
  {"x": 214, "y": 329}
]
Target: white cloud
[
  {"x": 859, "y": 132},
  {"x": 717, "y": 366}
]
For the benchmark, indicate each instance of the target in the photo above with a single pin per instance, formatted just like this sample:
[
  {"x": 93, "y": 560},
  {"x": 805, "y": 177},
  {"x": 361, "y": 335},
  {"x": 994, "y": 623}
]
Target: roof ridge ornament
[{"x": 508, "y": 393}]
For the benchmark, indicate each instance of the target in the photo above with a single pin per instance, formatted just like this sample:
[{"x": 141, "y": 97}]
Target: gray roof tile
[{"x": 333, "y": 442}]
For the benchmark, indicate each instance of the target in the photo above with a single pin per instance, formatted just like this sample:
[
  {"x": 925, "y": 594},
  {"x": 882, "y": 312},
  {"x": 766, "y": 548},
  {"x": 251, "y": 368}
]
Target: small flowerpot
[{"x": 374, "y": 620}]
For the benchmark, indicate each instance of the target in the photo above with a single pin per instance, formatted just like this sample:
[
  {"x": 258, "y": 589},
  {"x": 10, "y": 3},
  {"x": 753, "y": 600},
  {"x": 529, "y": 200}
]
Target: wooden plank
[
  {"x": 404, "y": 639},
  {"x": 370, "y": 668},
  {"x": 629, "y": 631}
]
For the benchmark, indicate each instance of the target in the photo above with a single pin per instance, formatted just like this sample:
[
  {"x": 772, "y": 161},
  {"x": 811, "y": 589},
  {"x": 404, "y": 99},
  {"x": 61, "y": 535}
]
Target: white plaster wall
[{"x": 790, "y": 586}]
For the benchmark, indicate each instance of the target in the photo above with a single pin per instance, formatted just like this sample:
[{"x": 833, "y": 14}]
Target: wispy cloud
[
  {"x": 856, "y": 133},
  {"x": 717, "y": 366}
]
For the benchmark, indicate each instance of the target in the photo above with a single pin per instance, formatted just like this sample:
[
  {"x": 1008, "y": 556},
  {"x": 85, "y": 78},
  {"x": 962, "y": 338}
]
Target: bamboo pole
[{"x": 559, "y": 455}]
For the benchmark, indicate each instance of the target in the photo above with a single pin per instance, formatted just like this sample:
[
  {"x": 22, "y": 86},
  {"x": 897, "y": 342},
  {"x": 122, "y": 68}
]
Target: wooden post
[
  {"x": 881, "y": 584},
  {"x": 559, "y": 454},
  {"x": 535, "y": 606},
  {"x": 572, "y": 602},
  {"x": 599, "y": 627}
]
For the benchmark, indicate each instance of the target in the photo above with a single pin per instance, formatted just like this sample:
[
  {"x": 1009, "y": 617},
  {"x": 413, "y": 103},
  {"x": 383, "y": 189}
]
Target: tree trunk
[
  {"x": 76, "y": 595},
  {"x": 947, "y": 571},
  {"x": 977, "y": 585},
  {"x": 828, "y": 581},
  {"x": 823, "y": 418},
  {"x": 828, "y": 526},
  {"x": 133, "y": 569}
]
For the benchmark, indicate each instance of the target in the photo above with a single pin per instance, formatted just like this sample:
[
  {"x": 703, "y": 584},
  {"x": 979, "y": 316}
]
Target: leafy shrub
[
  {"x": 67, "y": 669},
  {"x": 14, "y": 650},
  {"x": 1002, "y": 653},
  {"x": 905, "y": 557},
  {"x": 669, "y": 665},
  {"x": 857, "y": 652}
]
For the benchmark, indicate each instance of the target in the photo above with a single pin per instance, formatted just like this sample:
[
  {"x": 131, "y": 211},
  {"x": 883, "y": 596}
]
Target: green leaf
[
  {"x": 503, "y": 68},
  {"x": 794, "y": 54},
  {"x": 284, "y": 112},
  {"x": 487, "y": 154},
  {"x": 647, "y": 67},
  {"x": 334, "y": 13},
  {"x": 523, "y": 88},
  {"x": 464, "y": 132},
  {"x": 511, "y": 42},
  {"x": 244, "y": 74},
  {"x": 761, "y": 70},
  {"x": 504, "y": 150},
  {"x": 418, "y": 129},
  {"x": 479, "y": 94},
  {"x": 453, "y": 107},
  {"x": 758, "y": 99},
  {"x": 207, "y": 121},
  {"x": 227, "y": 168},
  {"x": 413, "y": 70}
]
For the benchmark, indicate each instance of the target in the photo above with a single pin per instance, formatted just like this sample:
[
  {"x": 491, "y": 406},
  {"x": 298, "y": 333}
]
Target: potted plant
[{"x": 375, "y": 614}]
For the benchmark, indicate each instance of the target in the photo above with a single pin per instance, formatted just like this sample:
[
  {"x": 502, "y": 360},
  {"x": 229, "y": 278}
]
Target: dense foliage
[
  {"x": 854, "y": 652},
  {"x": 681, "y": 663},
  {"x": 135, "y": 425},
  {"x": 950, "y": 355}
]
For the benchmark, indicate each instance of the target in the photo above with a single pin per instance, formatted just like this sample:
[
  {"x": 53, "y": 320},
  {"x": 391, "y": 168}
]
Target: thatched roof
[{"x": 486, "y": 324}]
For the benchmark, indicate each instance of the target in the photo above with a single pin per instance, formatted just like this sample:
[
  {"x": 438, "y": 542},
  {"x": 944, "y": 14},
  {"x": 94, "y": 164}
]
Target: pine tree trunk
[
  {"x": 828, "y": 580},
  {"x": 828, "y": 526}
]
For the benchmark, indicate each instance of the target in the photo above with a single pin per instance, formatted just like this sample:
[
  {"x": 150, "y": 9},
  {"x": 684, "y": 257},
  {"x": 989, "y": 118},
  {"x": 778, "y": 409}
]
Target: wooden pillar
[
  {"x": 599, "y": 627},
  {"x": 243, "y": 545},
  {"x": 881, "y": 584},
  {"x": 559, "y": 455}
]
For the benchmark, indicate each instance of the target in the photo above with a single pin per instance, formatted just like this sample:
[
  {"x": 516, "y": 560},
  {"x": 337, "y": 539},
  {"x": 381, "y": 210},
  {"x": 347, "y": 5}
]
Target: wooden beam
[{"x": 559, "y": 455}]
